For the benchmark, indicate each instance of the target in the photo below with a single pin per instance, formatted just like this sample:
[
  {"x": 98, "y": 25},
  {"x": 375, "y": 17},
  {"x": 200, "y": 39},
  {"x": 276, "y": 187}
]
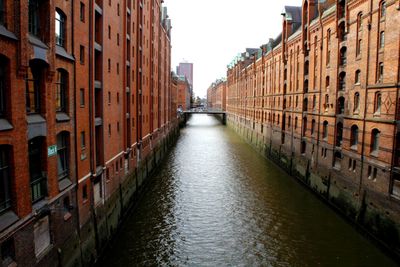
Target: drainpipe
[
  {"x": 78, "y": 228},
  {"x": 365, "y": 97}
]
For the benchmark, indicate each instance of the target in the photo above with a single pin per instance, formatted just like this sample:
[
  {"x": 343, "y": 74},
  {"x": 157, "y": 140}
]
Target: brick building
[
  {"x": 216, "y": 95},
  {"x": 183, "y": 95},
  {"x": 95, "y": 119},
  {"x": 322, "y": 100}
]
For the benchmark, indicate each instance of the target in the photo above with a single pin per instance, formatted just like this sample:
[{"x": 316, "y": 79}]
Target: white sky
[{"x": 210, "y": 33}]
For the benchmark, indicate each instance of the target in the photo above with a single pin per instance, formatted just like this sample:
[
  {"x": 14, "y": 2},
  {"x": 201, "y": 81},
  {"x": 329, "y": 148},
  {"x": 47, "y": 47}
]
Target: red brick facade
[
  {"x": 322, "y": 99},
  {"x": 85, "y": 105},
  {"x": 216, "y": 95}
]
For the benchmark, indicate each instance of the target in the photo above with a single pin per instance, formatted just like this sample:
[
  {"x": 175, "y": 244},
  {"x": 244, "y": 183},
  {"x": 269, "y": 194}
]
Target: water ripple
[{"x": 218, "y": 203}]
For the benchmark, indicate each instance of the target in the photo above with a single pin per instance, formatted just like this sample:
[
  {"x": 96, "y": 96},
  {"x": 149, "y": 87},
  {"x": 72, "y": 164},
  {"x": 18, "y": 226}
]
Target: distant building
[
  {"x": 216, "y": 95},
  {"x": 186, "y": 69},
  {"x": 183, "y": 92}
]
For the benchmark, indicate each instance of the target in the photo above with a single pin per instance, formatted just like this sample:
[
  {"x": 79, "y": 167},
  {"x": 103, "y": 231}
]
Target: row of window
[{"x": 37, "y": 152}]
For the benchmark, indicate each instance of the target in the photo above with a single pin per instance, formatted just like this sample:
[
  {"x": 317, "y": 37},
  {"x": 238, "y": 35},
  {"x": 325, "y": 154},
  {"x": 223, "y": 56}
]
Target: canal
[{"x": 216, "y": 202}]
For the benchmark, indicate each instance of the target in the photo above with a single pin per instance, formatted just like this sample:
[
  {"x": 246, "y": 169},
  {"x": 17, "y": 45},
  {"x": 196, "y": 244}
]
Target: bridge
[{"x": 187, "y": 113}]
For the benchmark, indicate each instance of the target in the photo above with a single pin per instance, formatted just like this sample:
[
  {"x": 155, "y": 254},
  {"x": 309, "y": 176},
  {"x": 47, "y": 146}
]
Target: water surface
[{"x": 216, "y": 202}]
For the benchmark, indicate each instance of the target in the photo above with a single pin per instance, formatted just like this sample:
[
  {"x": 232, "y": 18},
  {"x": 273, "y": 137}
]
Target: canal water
[{"x": 216, "y": 202}]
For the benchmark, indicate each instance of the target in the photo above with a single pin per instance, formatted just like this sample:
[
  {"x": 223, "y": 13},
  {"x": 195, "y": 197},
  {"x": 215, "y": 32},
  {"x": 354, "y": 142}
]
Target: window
[
  {"x": 34, "y": 17},
  {"x": 109, "y": 32},
  {"x": 378, "y": 102},
  {"x": 62, "y": 89},
  {"x": 82, "y": 54},
  {"x": 383, "y": 9},
  {"x": 380, "y": 72},
  {"x": 63, "y": 155},
  {"x": 60, "y": 28},
  {"x": 326, "y": 102},
  {"x": 358, "y": 47},
  {"x": 36, "y": 168},
  {"x": 342, "y": 81},
  {"x": 312, "y": 127},
  {"x": 354, "y": 136},
  {"x": 118, "y": 39},
  {"x": 109, "y": 129},
  {"x": 82, "y": 12},
  {"x": 325, "y": 130},
  {"x": 33, "y": 86},
  {"x": 82, "y": 97},
  {"x": 83, "y": 140},
  {"x": 343, "y": 56},
  {"x": 327, "y": 82},
  {"x": 117, "y": 98},
  {"x": 356, "y": 101},
  {"x": 5, "y": 179},
  {"x": 382, "y": 40},
  {"x": 3, "y": 85},
  {"x": 359, "y": 21},
  {"x": 375, "y": 140},
  {"x": 339, "y": 134},
  {"x": 314, "y": 102},
  {"x": 340, "y": 103},
  {"x": 358, "y": 77},
  {"x": 2, "y": 12},
  {"x": 304, "y": 126},
  {"x": 109, "y": 65},
  {"x": 41, "y": 233}
]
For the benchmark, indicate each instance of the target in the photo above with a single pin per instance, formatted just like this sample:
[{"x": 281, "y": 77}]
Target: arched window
[
  {"x": 357, "y": 77},
  {"x": 342, "y": 32},
  {"x": 327, "y": 82},
  {"x": 356, "y": 101},
  {"x": 339, "y": 134},
  {"x": 354, "y": 136},
  {"x": 375, "y": 140},
  {"x": 61, "y": 90},
  {"x": 359, "y": 21},
  {"x": 33, "y": 82},
  {"x": 378, "y": 102},
  {"x": 63, "y": 156},
  {"x": 383, "y": 9},
  {"x": 325, "y": 130},
  {"x": 60, "y": 27}
]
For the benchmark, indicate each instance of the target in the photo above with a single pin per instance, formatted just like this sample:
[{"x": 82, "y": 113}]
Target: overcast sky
[{"x": 210, "y": 33}]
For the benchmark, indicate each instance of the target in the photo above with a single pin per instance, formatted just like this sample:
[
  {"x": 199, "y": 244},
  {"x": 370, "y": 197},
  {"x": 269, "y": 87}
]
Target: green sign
[{"x": 51, "y": 150}]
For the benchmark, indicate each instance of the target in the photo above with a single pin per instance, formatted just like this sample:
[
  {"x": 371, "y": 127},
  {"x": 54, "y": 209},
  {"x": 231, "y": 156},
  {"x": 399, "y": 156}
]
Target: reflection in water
[{"x": 216, "y": 202}]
